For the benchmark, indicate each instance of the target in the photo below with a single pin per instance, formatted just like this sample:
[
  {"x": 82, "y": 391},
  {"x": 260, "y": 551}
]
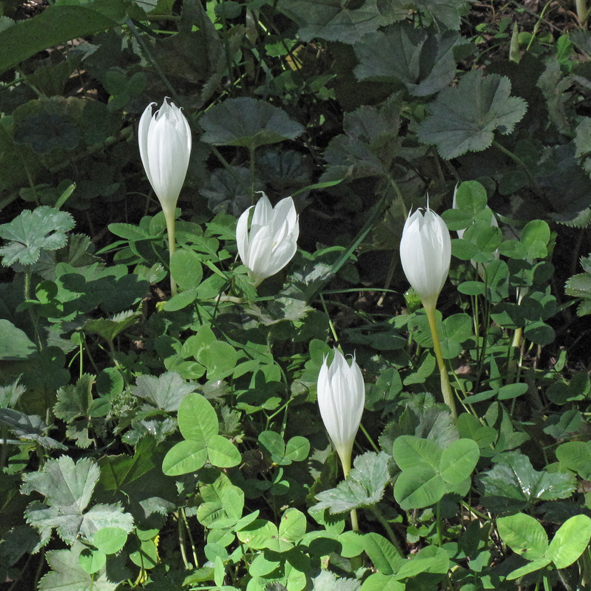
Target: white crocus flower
[
  {"x": 425, "y": 252},
  {"x": 165, "y": 149},
  {"x": 341, "y": 398},
  {"x": 272, "y": 240}
]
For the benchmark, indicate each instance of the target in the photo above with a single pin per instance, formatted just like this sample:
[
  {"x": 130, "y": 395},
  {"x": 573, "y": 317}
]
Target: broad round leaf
[
  {"x": 409, "y": 451},
  {"x": 292, "y": 526},
  {"x": 110, "y": 539},
  {"x": 185, "y": 267},
  {"x": 92, "y": 561}
]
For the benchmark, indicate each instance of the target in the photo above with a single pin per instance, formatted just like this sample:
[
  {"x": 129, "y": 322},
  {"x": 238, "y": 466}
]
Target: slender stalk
[
  {"x": 170, "y": 228},
  {"x": 582, "y": 11},
  {"x": 346, "y": 463},
  {"x": 378, "y": 515},
  {"x": 585, "y": 562},
  {"x": 448, "y": 396}
]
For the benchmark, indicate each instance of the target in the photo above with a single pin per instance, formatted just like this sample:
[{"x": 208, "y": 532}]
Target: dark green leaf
[
  {"x": 402, "y": 53},
  {"x": 463, "y": 118},
  {"x": 14, "y": 343},
  {"x": 247, "y": 122},
  {"x": 165, "y": 391}
]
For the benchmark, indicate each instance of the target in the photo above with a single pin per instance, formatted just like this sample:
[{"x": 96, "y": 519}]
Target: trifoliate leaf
[
  {"x": 32, "y": 231},
  {"x": 336, "y": 20},
  {"x": 424, "y": 63},
  {"x": 247, "y": 122},
  {"x": 464, "y": 118},
  {"x": 513, "y": 484},
  {"x": 363, "y": 487},
  {"x": 166, "y": 391}
]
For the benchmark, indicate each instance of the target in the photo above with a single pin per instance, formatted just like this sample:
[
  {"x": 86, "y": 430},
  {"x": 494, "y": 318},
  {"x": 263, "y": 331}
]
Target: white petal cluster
[
  {"x": 272, "y": 239},
  {"x": 425, "y": 252},
  {"x": 341, "y": 398},
  {"x": 165, "y": 147}
]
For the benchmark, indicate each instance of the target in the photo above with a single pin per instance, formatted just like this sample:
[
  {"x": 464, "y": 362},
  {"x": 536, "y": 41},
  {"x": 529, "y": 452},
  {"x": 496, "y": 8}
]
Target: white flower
[
  {"x": 272, "y": 240},
  {"x": 165, "y": 148},
  {"x": 425, "y": 252},
  {"x": 341, "y": 398}
]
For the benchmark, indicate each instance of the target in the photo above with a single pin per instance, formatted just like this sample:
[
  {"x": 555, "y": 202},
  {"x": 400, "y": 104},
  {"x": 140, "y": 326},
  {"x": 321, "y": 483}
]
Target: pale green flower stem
[
  {"x": 346, "y": 463},
  {"x": 448, "y": 396},
  {"x": 169, "y": 216}
]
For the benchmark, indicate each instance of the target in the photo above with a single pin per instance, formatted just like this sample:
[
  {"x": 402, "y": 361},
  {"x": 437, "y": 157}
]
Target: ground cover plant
[{"x": 213, "y": 372}]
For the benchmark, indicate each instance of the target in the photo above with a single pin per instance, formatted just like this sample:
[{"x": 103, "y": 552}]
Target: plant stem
[
  {"x": 448, "y": 397},
  {"x": 346, "y": 463},
  {"x": 378, "y": 515},
  {"x": 581, "y": 11},
  {"x": 170, "y": 228}
]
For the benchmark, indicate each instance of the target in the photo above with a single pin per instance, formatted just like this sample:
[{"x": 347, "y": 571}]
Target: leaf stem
[
  {"x": 448, "y": 397},
  {"x": 384, "y": 522},
  {"x": 169, "y": 216}
]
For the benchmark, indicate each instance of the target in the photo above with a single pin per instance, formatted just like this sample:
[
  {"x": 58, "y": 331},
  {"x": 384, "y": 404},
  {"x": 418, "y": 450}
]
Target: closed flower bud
[
  {"x": 425, "y": 252},
  {"x": 271, "y": 241},
  {"x": 165, "y": 148},
  {"x": 341, "y": 398}
]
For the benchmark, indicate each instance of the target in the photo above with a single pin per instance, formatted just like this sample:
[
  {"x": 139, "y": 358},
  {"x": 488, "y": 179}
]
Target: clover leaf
[
  {"x": 31, "y": 232},
  {"x": 464, "y": 118}
]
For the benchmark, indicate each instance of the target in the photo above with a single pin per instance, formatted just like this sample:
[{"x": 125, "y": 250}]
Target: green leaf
[
  {"x": 409, "y": 451},
  {"x": 528, "y": 568},
  {"x": 363, "y": 487},
  {"x": 185, "y": 457},
  {"x": 463, "y": 118},
  {"x": 55, "y": 26},
  {"x": 293, "y": 525},
  {"x": 444, "y": 12},
  {"x": 74, "y": 401},
  {"x": 247, "y": 122},
  {"x": 335, "y": 20},
  {"x": 109, "y": 328},
  {"x": 327, "y": 581},
  {"x": 222, "y": 453},
  {"x": 14, "y": 343},
  {"x": 428, "y": 560},
  {"x": 222, "y": 504},
  {"x": 513, "y": 484},
  {"x": 110, "y": 539},
  {"x": 197, "y": 418},
  {"x": 570, "y": 541},
  {"x": 382, "y": 553},
  {"x": 458, "y": 460},
  {"x": 185, "y": 267},
  {"x": 402, "y": 53},
  {"x": 28, "y": 428},
  {"x": 31, "y": 232},
  {"x": 297, "y": 449},
  {"x": 524, "y": 534},
  {"x": 92, "y": 561},
  {"x": 67, "y": 488},
  {"x": 165, "y": 391},
  {"x": 68, "y": 575},
  {"x": 418, "y": 487},
  {"x": 576, "y": 455}
]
